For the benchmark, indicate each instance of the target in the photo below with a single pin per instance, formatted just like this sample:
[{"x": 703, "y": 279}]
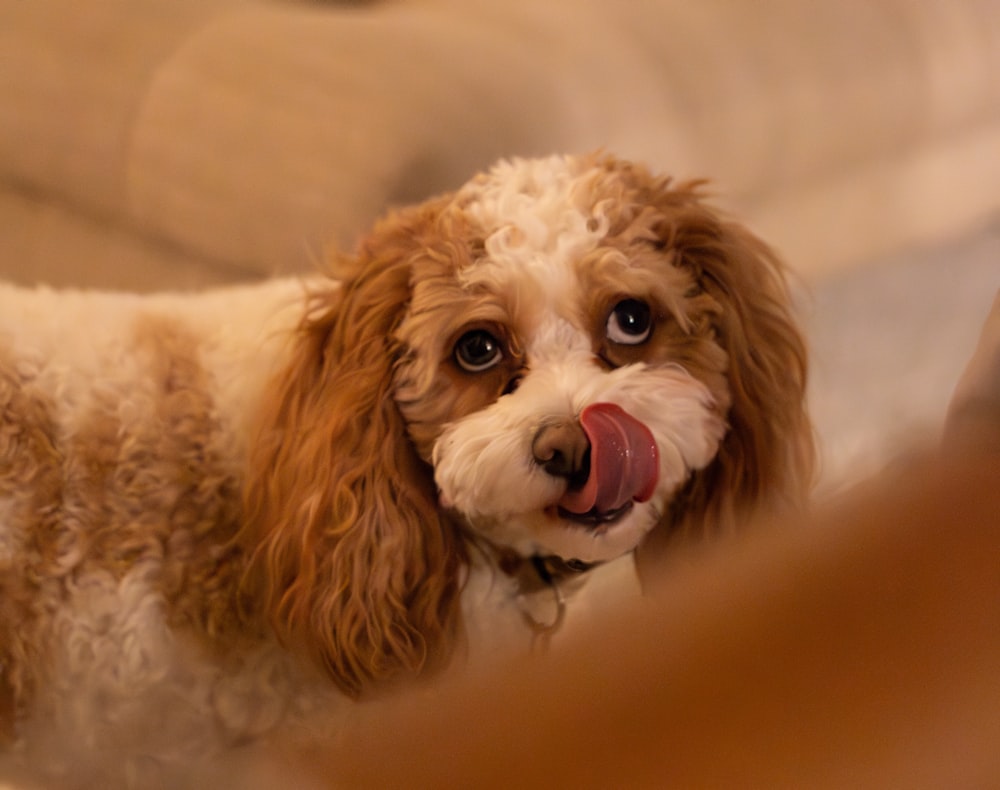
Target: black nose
[{"x": 561, "y": 448}]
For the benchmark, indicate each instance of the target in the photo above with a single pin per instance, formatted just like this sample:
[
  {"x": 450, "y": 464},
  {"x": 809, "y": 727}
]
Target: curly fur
[
  {"x": 236, "y": 507},
  {"x": 349, "y": 551}
]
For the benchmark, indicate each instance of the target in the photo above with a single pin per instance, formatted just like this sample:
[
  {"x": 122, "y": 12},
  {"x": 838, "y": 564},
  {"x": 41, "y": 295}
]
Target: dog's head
[{"x": 557, "y": 358}]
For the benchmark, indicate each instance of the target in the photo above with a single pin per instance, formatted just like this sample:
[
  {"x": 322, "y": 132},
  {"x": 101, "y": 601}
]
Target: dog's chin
[{"x": 588, "y": 537}]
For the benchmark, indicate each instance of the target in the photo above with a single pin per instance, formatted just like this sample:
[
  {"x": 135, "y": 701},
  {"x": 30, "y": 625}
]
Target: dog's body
[{"x": 512, "y": 382}]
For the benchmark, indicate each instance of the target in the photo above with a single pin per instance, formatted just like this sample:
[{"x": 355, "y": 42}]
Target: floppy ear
[
  {"x": 767, "y": 456},
  {"x": 348, "y": 550}
]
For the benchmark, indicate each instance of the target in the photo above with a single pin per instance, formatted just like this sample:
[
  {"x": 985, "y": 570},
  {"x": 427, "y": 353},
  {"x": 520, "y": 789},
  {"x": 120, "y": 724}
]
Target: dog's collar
[
  {"x": 536, "y": 574},
  {"x": 539, "y": 570}
]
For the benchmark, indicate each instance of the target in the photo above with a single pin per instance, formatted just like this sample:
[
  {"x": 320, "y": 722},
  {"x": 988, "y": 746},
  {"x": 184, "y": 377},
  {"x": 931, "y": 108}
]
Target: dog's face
[{"x": 561, "y": 374}]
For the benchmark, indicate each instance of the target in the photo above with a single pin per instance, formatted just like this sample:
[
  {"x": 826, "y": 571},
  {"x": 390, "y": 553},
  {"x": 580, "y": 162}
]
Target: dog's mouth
[{"x": 595, "y": 520}]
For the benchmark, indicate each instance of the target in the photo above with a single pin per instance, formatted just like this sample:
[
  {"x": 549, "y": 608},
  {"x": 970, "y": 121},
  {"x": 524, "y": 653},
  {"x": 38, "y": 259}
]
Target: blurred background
[{"x": 151, "y": 144}]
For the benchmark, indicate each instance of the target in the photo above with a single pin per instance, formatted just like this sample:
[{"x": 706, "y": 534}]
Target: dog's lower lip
[{"x": 594, "y": 518}]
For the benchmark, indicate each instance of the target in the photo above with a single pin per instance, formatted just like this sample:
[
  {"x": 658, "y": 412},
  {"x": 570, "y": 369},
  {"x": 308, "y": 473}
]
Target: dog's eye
[
  {"x": 630, "y": 323},
  {"x": 477, "y": 350}
]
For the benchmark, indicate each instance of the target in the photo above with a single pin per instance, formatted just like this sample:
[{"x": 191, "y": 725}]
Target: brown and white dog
[{"x": 517, "y": 380}]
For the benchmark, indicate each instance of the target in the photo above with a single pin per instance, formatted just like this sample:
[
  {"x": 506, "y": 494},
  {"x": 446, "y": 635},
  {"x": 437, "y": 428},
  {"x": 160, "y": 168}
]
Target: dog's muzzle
[{"x": 608, "y": 458}]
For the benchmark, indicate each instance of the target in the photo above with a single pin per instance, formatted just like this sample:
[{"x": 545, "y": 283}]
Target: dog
[{"x": 220, "y": 510}]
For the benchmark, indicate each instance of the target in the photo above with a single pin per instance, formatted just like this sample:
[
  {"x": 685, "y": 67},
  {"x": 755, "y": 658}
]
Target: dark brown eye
[
  {"x": 630, "y": 323},
  {"x": 477, "y": 350}
]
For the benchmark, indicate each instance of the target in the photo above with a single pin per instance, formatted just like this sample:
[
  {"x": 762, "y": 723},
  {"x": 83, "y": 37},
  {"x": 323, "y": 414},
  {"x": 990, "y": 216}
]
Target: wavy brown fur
[
  {"x": 767, "y": 457},
  {"x": 355, "y": 562}
]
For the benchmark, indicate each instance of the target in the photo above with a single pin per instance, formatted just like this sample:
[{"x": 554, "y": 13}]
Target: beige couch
[{"x": 182, "y": 142}]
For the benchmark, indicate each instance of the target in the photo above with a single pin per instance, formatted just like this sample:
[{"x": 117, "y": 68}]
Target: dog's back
[{"x": 123, "y": 426}]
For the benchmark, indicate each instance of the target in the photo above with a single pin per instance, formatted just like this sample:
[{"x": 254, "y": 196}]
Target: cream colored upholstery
[{"x": 175, "y": 142}]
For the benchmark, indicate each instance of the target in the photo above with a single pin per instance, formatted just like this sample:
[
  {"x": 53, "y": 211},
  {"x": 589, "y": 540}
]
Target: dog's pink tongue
[{"x": 624, "y": 463}]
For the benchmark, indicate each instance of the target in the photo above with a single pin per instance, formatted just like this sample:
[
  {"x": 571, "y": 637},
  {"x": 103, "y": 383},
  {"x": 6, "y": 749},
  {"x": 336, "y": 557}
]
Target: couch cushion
[{"x": 252, "y": 133}]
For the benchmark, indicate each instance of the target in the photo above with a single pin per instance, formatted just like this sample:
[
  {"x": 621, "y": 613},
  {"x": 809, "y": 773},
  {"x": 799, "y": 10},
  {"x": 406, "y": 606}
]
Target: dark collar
[{"x": 539, "y": 570}]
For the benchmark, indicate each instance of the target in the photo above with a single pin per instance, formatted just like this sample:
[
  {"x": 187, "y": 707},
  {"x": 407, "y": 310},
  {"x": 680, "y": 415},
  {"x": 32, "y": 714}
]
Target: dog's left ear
[
  {"x": 348, "y": 550},
  {"x": 767, "y": 457}
]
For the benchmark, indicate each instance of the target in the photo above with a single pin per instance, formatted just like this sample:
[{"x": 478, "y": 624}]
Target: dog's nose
[{"x": 562, "y": 449}]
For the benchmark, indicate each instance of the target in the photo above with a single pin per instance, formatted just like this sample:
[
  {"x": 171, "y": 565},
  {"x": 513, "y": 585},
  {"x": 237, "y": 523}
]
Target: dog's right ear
[{"x": 347, "y": 547}]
